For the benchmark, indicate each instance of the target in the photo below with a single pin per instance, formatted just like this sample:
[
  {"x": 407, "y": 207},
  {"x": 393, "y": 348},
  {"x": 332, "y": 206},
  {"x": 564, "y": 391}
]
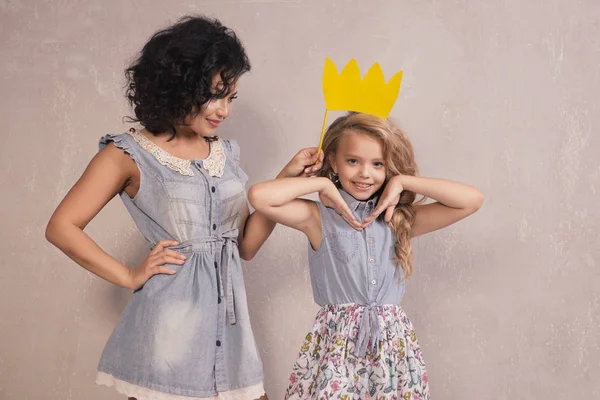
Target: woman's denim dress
[{"x": 189, "y": 333}]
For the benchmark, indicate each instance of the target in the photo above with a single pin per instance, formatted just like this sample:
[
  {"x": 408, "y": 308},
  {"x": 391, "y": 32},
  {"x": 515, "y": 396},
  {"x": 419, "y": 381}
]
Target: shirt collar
[{"x": 354, "y": 203}]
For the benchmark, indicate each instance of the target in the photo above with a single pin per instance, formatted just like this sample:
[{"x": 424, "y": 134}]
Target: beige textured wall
[{"x": 501, "y": 94}]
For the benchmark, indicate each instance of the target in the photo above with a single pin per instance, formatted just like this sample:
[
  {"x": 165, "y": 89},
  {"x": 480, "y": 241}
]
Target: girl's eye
[
  {"x": 378, "y": 164},
  {"x": 232, "y": 98},
  {"x": 351, "y": 161}
]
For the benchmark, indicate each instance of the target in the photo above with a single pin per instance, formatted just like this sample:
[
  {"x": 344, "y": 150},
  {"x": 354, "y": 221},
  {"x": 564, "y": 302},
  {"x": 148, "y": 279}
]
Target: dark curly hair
[{"x": 172, "y": 77}]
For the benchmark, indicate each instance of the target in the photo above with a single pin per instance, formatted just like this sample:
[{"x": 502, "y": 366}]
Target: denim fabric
[
  {"x": 353, "y": 267},
  {"x": 189, "y": 333}
]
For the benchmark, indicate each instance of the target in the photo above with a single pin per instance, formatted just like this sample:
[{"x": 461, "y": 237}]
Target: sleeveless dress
[
  {"x": 362, "y": 345},
  {"x": 186, "y": 336}
]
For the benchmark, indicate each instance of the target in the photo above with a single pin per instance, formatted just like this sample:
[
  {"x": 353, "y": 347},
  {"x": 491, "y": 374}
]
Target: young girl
[
  {"x": 362, "y": 345},
  {"x": 185, "y": 333}
]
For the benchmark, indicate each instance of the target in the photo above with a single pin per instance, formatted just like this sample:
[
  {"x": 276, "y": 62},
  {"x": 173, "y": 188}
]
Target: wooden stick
[{"x": 323, "y": 131}]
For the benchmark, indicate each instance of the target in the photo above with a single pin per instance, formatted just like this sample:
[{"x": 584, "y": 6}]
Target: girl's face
[
  {"x": 360, "y": 164},
  {"x": 206, "y": 122}
]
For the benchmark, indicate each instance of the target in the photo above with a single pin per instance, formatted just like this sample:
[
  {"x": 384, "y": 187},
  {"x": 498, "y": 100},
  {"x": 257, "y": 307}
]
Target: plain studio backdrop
[{"x": 499, "y": 94}]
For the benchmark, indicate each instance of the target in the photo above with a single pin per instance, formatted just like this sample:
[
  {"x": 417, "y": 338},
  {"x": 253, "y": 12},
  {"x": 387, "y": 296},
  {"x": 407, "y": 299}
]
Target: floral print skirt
[{"x": 329, "y": 367}]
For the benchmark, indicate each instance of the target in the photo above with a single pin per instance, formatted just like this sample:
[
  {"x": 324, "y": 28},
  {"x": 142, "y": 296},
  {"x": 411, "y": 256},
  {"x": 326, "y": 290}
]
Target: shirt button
[
  {"x": 219, "y": 300},
  {"x": 218, "y": 343},
  {"x": 213, "y": 189},
  {"x": 370, "y": 241},
  {"x": 216, "y": 265},
  {"x": 214, "y": 227},
  {"x": 373, "y": 282},
  {"x": 371, "y": 260}
]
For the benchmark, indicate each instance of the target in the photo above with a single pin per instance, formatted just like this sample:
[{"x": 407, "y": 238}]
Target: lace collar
[{"x": 214, "y": 164}]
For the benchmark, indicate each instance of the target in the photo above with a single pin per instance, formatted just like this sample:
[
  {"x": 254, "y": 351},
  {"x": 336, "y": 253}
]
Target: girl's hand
[
  {"x": 154, "y": 263},
  {"x": 330, "y": 197},
  {"x": 305, "y": 163},
  {"x": 388, "y": 201}
]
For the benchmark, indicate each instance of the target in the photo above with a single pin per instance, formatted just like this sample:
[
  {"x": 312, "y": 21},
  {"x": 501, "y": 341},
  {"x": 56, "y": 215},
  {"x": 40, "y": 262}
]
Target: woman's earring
[{"x": 334, "y": 177}]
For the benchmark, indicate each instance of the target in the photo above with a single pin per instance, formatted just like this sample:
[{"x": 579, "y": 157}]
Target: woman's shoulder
[{"x": 232, "y": 147}]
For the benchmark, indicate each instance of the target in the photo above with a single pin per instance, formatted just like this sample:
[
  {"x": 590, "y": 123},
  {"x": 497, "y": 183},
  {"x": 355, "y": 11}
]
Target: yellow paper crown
[
  {"x": 348, "y": 92},
  {"x": 371, "y": 95}
]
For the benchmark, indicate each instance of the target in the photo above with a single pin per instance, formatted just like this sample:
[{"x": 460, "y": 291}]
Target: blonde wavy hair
[{"x": 399, "y": 159}]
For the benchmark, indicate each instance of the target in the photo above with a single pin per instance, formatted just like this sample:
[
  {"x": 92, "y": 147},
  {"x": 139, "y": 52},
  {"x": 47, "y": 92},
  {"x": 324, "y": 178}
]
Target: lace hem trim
[{"x": 142, "y": 393}]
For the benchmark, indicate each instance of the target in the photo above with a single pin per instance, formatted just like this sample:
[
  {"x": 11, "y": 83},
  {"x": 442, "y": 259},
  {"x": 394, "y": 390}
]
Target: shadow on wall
[{"x": 264, "y": 147}]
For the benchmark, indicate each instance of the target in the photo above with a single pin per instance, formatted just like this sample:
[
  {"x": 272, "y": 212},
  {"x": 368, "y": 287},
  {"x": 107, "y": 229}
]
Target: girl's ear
[{"x": 331, "y": 159}]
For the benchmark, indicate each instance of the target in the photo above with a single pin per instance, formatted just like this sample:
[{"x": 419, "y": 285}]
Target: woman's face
[{"x": 206, "y": 122}]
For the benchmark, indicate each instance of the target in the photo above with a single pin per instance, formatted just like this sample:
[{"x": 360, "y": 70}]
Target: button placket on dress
[
  {"x": 372, "y": 267},
  {"x": 370, "y": 329},
  {"x": 212, "y": 197}
]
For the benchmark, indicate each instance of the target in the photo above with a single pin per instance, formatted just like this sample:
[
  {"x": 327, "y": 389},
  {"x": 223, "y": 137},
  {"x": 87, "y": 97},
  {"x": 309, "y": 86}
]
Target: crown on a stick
[{"x": 370, "y": 95}]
